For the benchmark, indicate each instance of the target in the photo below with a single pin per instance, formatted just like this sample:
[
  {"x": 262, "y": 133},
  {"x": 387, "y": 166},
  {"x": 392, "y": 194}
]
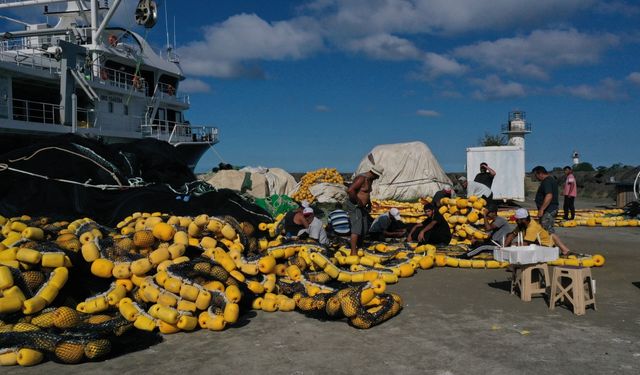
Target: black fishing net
[{"x": 55, "y": 171}]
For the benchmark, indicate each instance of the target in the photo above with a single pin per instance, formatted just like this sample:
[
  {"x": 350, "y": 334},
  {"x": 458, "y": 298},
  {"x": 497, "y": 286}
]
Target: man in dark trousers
[
  {"x": 570, "y": 192},
  {"x": 547, "y": 203},
  {"x": 433, "y": 230}
]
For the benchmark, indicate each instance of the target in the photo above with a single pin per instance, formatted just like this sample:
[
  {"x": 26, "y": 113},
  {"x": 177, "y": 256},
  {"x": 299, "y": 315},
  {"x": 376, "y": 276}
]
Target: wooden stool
[
  {"x": 523, "y": 280},
  {"x": 580, "y": 282}
]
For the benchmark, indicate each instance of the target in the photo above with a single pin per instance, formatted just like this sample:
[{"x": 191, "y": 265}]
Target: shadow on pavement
[{"x": 503, "y": 285}]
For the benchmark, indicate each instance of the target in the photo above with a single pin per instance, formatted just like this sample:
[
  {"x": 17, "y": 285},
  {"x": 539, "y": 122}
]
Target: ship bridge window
[
  {"x": 120, "y": 67},
  {"x": 168, "y": 84},
  {"x": 148, "y": 77}
]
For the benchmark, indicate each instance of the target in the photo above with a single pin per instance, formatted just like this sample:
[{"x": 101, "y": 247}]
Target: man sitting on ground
[
  {"x": 498, "y": 228},
  {"x": 433, "y": 230},
  {"x": 532, "y": 232},
  {"x": 302, "y": 222},
  {"x": 437, "y": 197},
  {"x": 386, "y": 225}
]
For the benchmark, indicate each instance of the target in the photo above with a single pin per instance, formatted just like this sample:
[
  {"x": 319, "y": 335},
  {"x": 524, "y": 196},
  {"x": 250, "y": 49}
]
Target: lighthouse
[{"x": 516, "y": 128}]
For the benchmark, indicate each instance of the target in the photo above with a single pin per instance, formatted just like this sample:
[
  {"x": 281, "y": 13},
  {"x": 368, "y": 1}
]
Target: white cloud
[
  {"x": 492, "y": 87},
  {"x": 322, "y": 108},
  {"x": 535, "y": 54},
  {"x": 634, "y": 78},
  {"x": 228, "y": 46},
  {"x": 384, "y": 47},
  {"x": 193, "y": 86},
  {"x": 435, "y": 65},
  {"x": 608, "y": 89},
  {"x": 353, "y": 17},
  {"x": 427, "y": 113}
]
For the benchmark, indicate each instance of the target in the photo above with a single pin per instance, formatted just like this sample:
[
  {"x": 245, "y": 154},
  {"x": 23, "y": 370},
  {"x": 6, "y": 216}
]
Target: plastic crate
[{"x": 526, "y": 254}]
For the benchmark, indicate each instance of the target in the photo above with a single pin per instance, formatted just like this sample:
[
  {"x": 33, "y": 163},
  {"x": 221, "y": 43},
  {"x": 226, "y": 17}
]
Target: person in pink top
[{"x": 570, "y": 191}]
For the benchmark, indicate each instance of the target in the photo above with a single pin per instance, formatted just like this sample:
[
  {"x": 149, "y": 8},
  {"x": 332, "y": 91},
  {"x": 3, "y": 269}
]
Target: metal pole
[
  {"x": 107, "y": 18},
  {"x": 74, "y": 113},
  {"x": 18, "y": 4}
]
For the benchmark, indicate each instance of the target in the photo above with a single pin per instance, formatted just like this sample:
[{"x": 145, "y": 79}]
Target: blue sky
[{"x": 308, "y": 84}]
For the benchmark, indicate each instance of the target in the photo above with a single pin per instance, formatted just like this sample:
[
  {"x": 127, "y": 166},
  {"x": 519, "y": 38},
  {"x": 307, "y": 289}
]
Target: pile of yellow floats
[
  {"x": 155, "y": 285},
  {"x": 329, "y": 175}
]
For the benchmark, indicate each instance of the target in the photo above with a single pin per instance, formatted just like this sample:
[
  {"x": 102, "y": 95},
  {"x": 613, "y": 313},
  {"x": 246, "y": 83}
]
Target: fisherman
[
  {"x": 497, "y": 226},
  {"x": 547, "y": 203},
  {"x": 433, "y": 230},
  {"x": 389, "y": 224},
  {"x": 570, "y": 192},
  {"x": 296, "y": 221},
  {"x": 477, "y": 189},
  {"x": 486, "y": 175},
  {"x": 437, "y": 197},
  {"x": 532, "y": 232},
  {"x": 302, "y": 222},
  {"x": 359, "y": 204}
]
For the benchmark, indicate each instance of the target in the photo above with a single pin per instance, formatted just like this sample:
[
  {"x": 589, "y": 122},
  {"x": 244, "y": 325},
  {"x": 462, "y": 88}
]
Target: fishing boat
[{"x": 85, "y": 77}]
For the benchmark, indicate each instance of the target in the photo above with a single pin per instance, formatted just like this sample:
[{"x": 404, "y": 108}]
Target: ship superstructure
[{"x": 85, "y": 77}]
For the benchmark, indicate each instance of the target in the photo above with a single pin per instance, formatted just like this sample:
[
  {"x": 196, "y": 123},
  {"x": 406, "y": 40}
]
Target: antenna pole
[{"x": 166, "y": 23}]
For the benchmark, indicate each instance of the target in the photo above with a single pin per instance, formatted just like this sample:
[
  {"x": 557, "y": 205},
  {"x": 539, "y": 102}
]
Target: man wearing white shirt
[{"x": 476, "y": 188}]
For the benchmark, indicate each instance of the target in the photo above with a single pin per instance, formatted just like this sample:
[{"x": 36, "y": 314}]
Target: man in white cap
[
  {"x": 303, "y": 222},
  {"x": 532, "y": 232},
  {"x": 359, "y": 204},
  {"x": 389, "y": 224}
]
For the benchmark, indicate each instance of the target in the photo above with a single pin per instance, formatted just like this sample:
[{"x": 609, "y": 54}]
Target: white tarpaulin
[
  {"x": 279, "y": 181},
  {"x": 329, "y": 193},
  {"x": 234, "y": 180},
  {"x": 507, "y": 161},
  {"x": 410, "y": 171}
]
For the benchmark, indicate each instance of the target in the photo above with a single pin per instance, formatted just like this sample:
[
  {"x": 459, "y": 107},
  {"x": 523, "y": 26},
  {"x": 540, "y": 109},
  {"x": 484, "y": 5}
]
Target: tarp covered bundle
[
  {"x": 258, "y": 182},
  {"x": 411, "y": 171},
  {"x": 71, "y": 176}
]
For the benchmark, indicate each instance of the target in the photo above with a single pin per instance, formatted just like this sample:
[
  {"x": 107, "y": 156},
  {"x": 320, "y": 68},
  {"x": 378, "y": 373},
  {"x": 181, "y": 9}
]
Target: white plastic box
[{"x": 526, "y": 254}]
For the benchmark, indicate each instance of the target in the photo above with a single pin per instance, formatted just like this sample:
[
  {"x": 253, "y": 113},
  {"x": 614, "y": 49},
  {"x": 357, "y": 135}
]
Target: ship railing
[
  {"x": 49, "y": 113},
  {"x": 120, "y": 79},
  {"x": 39, "y": 112},
  {"x": 20, "y": 53},
  {"x": 174, "y": 132},
  {"x": 166, "y": 90}
]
